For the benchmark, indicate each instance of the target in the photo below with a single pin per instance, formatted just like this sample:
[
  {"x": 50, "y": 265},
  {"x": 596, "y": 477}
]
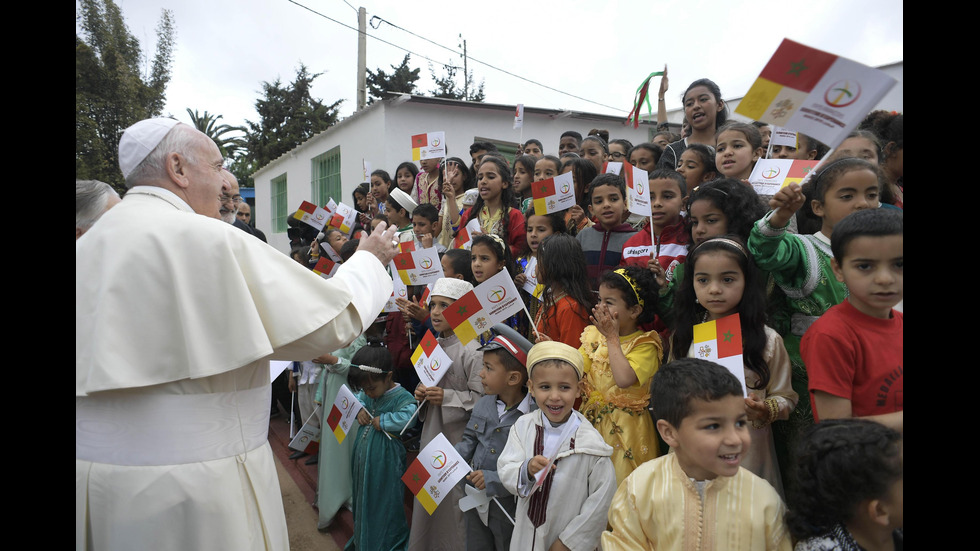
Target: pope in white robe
[{"x": 176, "y": 318}]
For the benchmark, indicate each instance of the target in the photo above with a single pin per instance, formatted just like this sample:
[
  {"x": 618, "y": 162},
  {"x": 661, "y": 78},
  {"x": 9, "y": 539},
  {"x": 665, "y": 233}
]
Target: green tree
[
  {"x": 402, "y": 79},
  {"x": 112, "y": 90},
  {"x": 288, "y": 116},
  {"x": 446, "y": 86},
  {"x": 208, "y": 124}
]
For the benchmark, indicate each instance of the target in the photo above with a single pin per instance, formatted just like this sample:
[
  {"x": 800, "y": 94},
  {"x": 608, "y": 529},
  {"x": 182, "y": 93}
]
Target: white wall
[{"x": 382, "y": 133}]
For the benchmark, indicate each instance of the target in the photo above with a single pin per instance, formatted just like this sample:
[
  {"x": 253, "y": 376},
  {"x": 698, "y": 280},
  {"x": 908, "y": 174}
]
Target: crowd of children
[{"x": 590, "y": 418}]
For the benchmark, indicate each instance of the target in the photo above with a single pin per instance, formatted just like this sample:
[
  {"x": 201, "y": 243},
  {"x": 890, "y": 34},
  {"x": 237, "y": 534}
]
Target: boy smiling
[
  {"x": 697, "y": 497},
  {"x": 567, "y": 511}
]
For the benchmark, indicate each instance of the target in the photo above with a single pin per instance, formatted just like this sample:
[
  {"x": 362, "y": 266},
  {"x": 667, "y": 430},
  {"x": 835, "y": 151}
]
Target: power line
[
  {"x": 355, "y": 29},
  {"x": 495, "y": 67},
  {"x": 525, "y": 79}
]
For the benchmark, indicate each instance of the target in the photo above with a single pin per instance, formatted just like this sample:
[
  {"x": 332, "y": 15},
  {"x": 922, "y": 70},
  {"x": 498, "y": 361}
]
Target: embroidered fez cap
[{"x": 554, "y": 350}]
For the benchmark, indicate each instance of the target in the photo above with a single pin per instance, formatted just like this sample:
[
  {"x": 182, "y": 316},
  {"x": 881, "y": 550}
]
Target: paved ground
[{"x": 301, "y": 518}]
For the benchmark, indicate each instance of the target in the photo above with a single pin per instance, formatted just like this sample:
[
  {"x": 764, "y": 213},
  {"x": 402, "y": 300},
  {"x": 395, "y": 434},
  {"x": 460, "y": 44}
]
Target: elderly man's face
[
  {"x": 244, "y": 212},
  {"x": 207, "y": 181},
  {"x": 231, "y": 199}
]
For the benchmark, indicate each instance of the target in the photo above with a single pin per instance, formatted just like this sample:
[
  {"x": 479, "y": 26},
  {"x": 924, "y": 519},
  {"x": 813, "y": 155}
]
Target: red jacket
[{"x": 673, "y": 248}]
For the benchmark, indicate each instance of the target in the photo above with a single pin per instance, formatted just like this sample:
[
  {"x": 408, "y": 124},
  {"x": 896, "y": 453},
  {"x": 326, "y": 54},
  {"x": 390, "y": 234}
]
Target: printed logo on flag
[
  {"x": 842, "y": 93},
  {"x": 497, "y": 294},
  {"x": 438, "y": 460},
  {"x": 771, "y": 173}
]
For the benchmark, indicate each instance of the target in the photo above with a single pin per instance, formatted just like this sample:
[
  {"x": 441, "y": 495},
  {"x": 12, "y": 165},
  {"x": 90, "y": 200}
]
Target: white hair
[
  {"x": 180, "y": 140},
  {"x": 91, "y": 197}
]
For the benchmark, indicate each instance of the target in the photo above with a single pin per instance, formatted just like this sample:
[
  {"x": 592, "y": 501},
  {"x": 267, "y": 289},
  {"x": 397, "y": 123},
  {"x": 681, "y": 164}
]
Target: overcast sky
[{"x": 600, "y": 51}]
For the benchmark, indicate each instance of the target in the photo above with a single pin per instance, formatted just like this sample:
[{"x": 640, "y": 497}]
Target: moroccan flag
[
  {"x": 430, "y": 360},
  {"x": 720, "y": 341},
  {"x": 492, "y": 301},
  {"x": 325, "y": 267},
  {"x": 771, "y": 174},
  {"x": 554, "y": 194},
  {"x": 343, "y": 218},
  {"x": 814, "y": 92},
  {"x": 519, "y": 116},
  {"x": 343, "y": 414},
  {"x": 425, "y": 295},
  {"x": 464, "y": 238},
  {"x": 434, "y": 473},
  {"x": 311, "y": 214},
  {"x": 428, "y": 146},
  {"x": 406, "y": 246}
]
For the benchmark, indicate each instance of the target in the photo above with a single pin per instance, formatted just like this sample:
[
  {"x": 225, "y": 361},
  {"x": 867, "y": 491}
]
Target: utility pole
[
  {"x": 361, "y": 58},
  {"x": 466, "y": 74}
]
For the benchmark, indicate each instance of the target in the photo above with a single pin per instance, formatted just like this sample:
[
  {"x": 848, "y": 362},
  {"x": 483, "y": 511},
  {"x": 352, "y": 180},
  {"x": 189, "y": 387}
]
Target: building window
[
  {"x": 507, "y": 149},
  {"x": 279, "y": 208},
  {"x": 325, "y": 181}
]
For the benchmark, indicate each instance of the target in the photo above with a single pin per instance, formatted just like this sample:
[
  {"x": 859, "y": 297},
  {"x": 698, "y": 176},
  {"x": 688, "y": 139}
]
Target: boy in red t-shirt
[{"x": 854, "y": 354}]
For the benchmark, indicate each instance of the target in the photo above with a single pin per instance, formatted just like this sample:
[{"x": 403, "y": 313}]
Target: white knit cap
[
  {"x": 139, "y": 140},
  {"x": 451, "y": 287},
  {"x": 404, "y": 200}
]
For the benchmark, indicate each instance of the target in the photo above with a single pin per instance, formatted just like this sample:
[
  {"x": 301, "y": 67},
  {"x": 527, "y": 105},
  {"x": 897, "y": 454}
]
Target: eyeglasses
[
  {"x": 617, "y": 155},
  {"x": 236, "y": 199}
]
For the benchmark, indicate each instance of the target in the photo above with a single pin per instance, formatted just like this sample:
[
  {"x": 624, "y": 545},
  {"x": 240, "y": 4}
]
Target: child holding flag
[
  {"x": 378, "y": 461},
  {"x": 505, "y": 382},
  {"x": 663, "y": 243},
  {"x": 555, "y": 461},
  {"x": 447, "y": 409},
  {"x": 720, "y": 279}
]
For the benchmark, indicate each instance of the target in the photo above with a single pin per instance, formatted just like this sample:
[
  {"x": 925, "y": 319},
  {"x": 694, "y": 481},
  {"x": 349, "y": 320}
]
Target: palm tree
[{"x": 208, "y": 124}]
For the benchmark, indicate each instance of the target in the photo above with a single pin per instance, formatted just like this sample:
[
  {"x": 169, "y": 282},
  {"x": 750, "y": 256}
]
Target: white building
[{"x": 330, "y": 163}]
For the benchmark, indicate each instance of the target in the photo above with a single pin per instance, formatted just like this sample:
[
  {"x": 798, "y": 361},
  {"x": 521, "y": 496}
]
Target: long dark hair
[
  {"x": 506, "y": 196},
  {"x": 583, "y": 172},
  {"x": 751, "y": 309},
  {"x": 373, "y": 354},
  {"x": 561, "y": 262}
]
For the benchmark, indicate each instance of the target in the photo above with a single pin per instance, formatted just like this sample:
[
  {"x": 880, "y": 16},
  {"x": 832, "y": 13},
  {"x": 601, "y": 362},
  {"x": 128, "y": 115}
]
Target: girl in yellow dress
[{"x": 620, "y": 359}]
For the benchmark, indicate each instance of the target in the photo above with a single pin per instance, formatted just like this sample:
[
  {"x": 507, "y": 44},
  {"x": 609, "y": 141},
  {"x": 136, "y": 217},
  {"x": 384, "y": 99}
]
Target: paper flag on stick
[
  {"x": 464, "y": 238},
  {"x": 419, "y": 267},
  {"x": 771, "y": 174},
  {"x": 343, "y": 218},
  {"x": 434, "y": 473},
  {"x": 343, "y": 414},
  {"x": 431, "y": 145},
  {"x": 492, "y": 301},
  {"x": 637, "y": 186},
  {"x": 519, "y": 116},
  {"x": 399, "y": 290},
  {"x": 325, "y": 267},
  {"x": 814, "y": 92},
  {"x": 720, "y": 341},
  {"x": 430, "y": 360},
  {"x": 308, "y": 438},
  {"x": 308, "y": 213},
  {"x": 553, "y": 194}
]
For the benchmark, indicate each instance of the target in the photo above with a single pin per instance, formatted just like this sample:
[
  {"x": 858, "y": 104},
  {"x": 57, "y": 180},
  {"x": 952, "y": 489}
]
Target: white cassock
[{"x": 176, "y": 318}]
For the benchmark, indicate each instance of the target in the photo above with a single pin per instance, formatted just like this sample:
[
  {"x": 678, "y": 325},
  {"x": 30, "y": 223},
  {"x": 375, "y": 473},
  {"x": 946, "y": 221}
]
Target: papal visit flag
[
  {"x": 720, "y": 341},
  {"x": 435, "y": 472}
]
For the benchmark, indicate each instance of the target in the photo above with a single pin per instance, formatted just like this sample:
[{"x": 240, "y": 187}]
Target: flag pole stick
[
  {"x": 372, "y": 417},
  {"x": 412, "y": 417},
  {"x": 531, "y": 321},
  {"x": 292, "y": 404},
  {"x": 504, "y": 510}
]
